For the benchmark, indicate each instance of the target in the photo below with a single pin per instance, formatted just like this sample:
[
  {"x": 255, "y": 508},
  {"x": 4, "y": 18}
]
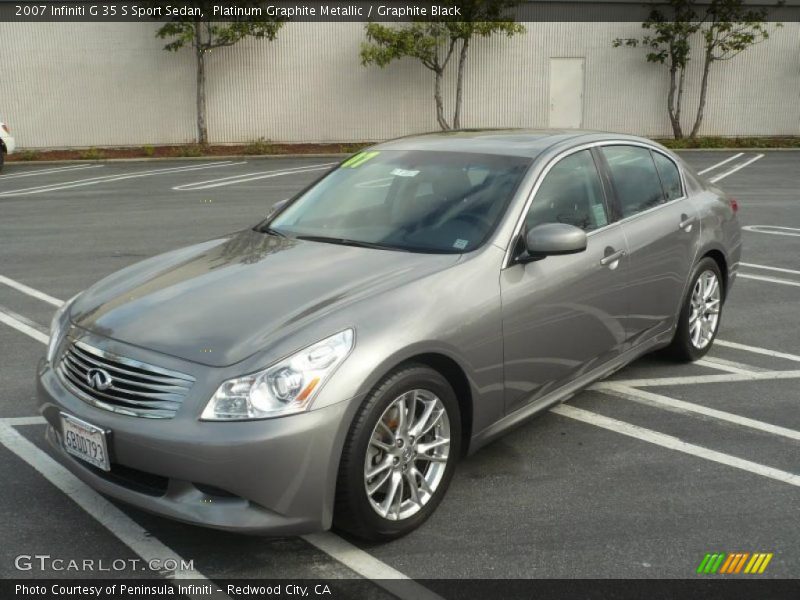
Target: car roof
[{"x": 511, "y": 142}]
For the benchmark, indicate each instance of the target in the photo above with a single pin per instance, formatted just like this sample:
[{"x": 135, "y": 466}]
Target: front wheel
[
  {"x": 399, "y": 455},
  {"x": 700, "y": 315}
]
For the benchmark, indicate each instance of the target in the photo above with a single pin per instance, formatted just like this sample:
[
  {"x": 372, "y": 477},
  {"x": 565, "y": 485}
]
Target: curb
[{"x": 177, "y": 158}]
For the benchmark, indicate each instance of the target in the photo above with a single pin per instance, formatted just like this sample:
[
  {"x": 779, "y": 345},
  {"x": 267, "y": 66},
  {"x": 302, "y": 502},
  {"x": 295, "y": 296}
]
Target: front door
[{"x": 563, "y": 315}]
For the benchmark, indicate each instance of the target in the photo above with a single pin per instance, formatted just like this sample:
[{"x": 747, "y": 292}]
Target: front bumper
[{"x": 275, "y": 476}]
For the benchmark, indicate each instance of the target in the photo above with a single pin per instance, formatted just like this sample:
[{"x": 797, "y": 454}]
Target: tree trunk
[
  {"x": 679, "y": 101},
  {"x": 703, "y": 89},
  {"x": 672, "y": 110},
  {"x": 437, "y": 95},
  {"x": 202, "y": 129},
  {"x": 460, "y": 84}
]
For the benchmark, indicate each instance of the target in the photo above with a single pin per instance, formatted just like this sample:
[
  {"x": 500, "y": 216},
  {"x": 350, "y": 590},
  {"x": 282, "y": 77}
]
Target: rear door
[
  {"x": 662, "y": 232},
  {"x": 563, "y": 315}
]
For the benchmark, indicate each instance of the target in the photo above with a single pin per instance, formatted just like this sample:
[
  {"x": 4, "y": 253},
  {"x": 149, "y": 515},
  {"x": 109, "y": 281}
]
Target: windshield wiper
[
  {"x": 271, "y": 231},
  {"x": 347, "y": 242}
]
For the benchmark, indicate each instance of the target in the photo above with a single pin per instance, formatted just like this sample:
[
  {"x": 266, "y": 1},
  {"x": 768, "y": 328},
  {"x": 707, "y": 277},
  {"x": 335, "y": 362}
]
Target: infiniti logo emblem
[{"x": 98, "y": 379}]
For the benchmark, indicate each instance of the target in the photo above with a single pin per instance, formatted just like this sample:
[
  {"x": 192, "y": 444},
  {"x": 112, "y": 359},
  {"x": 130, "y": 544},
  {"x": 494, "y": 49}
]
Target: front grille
[{"x": 123, "y": 385}]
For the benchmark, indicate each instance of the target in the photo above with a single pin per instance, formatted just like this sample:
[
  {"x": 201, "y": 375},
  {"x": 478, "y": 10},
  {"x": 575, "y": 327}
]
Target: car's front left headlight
[
  {"x": 284, "y": 388},
  {"x": 57, "y": 327}
]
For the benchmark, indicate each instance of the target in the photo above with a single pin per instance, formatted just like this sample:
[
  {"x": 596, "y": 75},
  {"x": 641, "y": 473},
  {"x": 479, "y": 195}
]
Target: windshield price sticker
[{"x": 404, "y": 173}]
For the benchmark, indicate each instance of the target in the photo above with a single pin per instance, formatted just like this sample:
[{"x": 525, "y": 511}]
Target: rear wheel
[
  {"x": 2, "y": 158},
  {"x": 700, "y": 315},
  {"x": 399, "y": 456}
]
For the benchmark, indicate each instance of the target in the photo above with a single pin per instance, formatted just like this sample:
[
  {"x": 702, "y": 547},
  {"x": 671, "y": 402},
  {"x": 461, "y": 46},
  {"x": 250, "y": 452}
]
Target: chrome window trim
[{"x": 507, "y": 258}]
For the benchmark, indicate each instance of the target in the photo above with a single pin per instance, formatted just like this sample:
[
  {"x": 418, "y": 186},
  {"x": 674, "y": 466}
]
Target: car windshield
[{"x": 417, "y": 201}]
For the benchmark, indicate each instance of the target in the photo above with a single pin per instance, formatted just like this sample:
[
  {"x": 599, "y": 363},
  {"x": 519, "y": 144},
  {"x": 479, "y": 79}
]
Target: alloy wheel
[
  {"x": 706, "y": 302},
  {"x": 407, "y": 454}
]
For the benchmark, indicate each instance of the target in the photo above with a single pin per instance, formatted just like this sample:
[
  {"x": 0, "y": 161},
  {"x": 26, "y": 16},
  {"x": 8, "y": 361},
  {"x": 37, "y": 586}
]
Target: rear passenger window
[
  {"x": 635, "y": 178},
  {"x": 670, "y": 177},
  {"x": 570, "y": 193}
]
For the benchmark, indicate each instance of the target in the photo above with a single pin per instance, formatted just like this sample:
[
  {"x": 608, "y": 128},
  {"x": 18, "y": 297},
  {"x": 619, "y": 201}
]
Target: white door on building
[{"x": 566, "y": 92}]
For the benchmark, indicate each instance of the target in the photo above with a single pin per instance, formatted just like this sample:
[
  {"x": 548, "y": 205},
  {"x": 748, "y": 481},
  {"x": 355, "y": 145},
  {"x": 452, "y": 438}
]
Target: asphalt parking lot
[{"x": 638, "y": 477}]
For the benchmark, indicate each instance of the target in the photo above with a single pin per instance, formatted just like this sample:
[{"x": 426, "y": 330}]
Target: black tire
[
  {"x": 354, "y": 513},
  {"x": 2, "y": 158},
  {"x": 682, "y": 348}
]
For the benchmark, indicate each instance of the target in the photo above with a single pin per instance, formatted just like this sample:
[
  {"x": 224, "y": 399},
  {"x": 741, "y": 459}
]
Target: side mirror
[
  {"x": 276, "y": 207},
  {"x": 551, "y": 239}
]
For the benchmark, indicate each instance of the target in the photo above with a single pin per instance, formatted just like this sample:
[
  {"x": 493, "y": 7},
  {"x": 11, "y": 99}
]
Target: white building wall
[
  {"x": 82, "y": 84},
  {"x": 70, "y": 85}
]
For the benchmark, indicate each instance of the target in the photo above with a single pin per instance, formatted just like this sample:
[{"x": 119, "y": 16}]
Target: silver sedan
[{"x": 330, "y": 365}]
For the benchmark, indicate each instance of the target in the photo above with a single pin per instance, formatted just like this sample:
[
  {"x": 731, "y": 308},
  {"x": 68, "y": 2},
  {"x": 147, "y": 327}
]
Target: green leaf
[{"x": 184, "y": 31}]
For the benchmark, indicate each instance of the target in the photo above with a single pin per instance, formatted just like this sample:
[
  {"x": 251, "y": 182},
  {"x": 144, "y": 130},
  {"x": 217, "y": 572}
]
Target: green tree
[
  {"x": 433, "y": 43},
  {"x": 729, "y": 28},
  {"x": 203, "y": 36},
  {"x": 671, "y": 28},
  {"x": 726, "y": 27}
]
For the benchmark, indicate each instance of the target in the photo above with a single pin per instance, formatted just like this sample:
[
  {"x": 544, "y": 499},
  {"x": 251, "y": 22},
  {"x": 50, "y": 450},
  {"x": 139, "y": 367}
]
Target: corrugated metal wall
[
  {"x": 83, "y": 84},
  {"x": 87, "y": 84}
]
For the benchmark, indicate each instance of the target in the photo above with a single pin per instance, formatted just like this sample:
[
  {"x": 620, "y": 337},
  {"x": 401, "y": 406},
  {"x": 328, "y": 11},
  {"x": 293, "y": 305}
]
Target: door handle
[
  {"x": 610, "y": 259},
  {"x": 686, "y": 223}
]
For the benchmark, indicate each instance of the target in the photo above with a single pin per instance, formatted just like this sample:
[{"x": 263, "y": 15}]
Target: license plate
[{"x": 85, "y": 441}]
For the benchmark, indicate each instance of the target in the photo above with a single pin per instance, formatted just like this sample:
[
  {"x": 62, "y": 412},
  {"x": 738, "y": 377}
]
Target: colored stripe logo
[
  {"x": 733, "y": 563},
  {"x": 359, "y": 159}
]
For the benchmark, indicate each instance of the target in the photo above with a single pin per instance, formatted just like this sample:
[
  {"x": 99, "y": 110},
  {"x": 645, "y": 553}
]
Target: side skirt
[{"x": 566, "y": 391}]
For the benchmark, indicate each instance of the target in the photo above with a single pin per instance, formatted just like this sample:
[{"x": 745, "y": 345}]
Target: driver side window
[{"x": 570, "y": 193}]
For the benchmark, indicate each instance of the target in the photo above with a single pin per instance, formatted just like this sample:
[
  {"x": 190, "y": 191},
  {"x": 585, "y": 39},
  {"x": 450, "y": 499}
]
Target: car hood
[{"x": 219, "y": 302}]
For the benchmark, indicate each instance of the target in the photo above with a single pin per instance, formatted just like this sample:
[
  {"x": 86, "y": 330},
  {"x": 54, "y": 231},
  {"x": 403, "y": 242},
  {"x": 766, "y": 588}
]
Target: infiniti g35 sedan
[{"x": 329, "y": 366}]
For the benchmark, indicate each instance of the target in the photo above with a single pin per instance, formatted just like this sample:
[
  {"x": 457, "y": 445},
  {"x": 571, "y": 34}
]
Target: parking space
[{"x": 639, "y": 476}]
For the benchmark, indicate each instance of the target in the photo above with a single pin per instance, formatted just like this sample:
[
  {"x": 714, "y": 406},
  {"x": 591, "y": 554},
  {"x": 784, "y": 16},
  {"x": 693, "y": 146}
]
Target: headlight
[
  {"x": 57, "y": 327},
  {"x": 286, "y": 387}
]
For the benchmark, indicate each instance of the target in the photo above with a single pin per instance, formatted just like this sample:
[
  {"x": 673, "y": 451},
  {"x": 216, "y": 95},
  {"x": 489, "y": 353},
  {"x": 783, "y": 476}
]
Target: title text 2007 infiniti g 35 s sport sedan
[{"x": 330, "y": 365}]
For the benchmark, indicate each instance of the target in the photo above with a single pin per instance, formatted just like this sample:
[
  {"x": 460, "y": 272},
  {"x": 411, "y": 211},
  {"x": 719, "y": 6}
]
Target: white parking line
[
  {"x": 767, "y": 268},
  {"x": 661, "y": 401},
  {"x": 111, "y": 178},
  {"x": 20, "y": 421},
  {"x": 736, "y": 168},
  {"x": 120, "y": 525},
  {"x": 769, "y": 279},
  {"x": 243, "y": 178},
  {"x": 788, "y": 231},
  {"x": 757, "y": 350},
  {"x": 727, "y": 365},
  {"x": 732, "y": 366},
  {"x": 698, "y": 379},
  {"x": 25, "y": 289},
  {"x": 719, "y": 164},
  {"x": 23, "y": 325},
  {"x": 366, "y": 565},
  {"x": 673, "y": 443},
  {"x": 34, "y": 172},
  {"x": 117, "y": 522}
]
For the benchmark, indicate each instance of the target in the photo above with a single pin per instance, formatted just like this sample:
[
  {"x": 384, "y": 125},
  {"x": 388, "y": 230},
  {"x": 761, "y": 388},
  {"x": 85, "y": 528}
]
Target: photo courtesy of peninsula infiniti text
[{"x": 330, "y": 365}]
